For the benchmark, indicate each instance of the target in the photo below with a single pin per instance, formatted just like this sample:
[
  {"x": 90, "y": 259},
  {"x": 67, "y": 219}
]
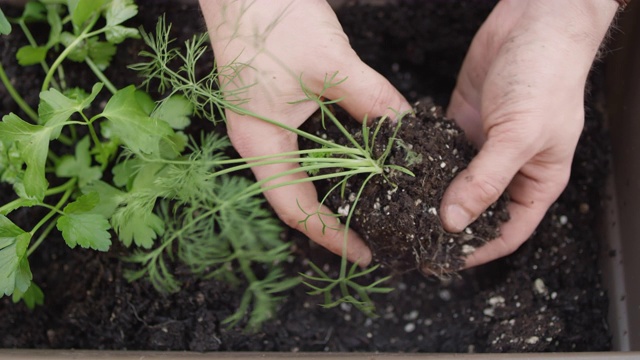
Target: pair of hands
[{"x": 519, "y": 98}]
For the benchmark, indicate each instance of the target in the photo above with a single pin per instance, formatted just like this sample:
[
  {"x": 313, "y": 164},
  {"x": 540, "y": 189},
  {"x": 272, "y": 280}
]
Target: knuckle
[{"x": 487, "y": 190}]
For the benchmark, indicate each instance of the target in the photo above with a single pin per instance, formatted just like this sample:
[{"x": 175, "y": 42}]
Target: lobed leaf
[
  {"x": 79, "y": 166},
  {"x": 33, "y": 145},
  {"x": 31, "y": 55},
  {"x": 80, "y": 226},
  {"x": 82, "y": 10},
  {"x": 14, "y": 266},
  {"x": 139, "y": 132},
  {"x": 175, "y": 110}
]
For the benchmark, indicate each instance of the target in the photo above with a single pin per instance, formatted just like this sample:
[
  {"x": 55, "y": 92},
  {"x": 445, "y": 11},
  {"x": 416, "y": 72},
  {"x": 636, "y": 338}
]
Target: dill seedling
[{"x": 348, "y": 160}]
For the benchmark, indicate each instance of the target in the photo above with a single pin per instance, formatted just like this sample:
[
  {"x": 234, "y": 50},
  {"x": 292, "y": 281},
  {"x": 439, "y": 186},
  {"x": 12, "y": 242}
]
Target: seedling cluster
[{"x": 134, "y": 169}]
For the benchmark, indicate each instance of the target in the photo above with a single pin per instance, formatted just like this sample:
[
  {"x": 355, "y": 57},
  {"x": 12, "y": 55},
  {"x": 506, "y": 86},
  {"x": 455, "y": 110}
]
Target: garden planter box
[{"x": 619, "y": 227}]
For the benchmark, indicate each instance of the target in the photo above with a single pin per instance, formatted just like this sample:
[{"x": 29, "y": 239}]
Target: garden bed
[{"x": 545, "y": 297}]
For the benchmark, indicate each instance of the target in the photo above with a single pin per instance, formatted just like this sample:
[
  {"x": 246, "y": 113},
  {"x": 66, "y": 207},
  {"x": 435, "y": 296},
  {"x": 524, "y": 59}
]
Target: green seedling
[
  {"x": 349, "y": 160},
  {"x": 172, "y": 197}
]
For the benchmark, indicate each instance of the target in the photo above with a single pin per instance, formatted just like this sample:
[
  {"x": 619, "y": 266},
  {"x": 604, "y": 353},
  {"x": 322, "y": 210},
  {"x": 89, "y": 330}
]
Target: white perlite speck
[
  {"x": 532, "y": 340},
  {"x": 468, "y": 249},
  {"x": 496, "y": 300},
  {"x": 539, "y": 286},
  {"x": 564, "y": 220},
  {"x": 410, "y": 327},
  {"x": 432, "y": 211},
  {"x": 344, "y": 210}
]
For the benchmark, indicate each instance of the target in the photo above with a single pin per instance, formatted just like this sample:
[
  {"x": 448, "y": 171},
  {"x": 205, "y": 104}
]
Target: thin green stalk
[
  {"x": 63, "y": 55},
  {"x": 43, "y": 235},
  {"x": 101, "y": 76},
  {"x": 53, "y": 209},
  {"x": 16, "y": 96},
  {"x": 34, "y": 43}
]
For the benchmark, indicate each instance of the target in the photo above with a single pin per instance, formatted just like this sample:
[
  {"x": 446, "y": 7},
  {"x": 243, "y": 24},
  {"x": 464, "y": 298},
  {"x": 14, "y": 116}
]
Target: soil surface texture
[
  {"x": 396, "y": 213},
  {"x": 547, "y": 296}
]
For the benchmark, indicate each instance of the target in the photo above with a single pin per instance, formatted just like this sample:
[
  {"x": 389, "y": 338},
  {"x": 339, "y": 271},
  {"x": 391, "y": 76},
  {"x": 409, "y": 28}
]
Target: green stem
[
  {"x": 32, "y": 42},
  {"x": 54, "y": 209},
  {"x": 41, "y": 238},
  {"x": 101, "y": 76},
  {"x": 16, "y": 96},
  {"x": 63, "y": 55}
]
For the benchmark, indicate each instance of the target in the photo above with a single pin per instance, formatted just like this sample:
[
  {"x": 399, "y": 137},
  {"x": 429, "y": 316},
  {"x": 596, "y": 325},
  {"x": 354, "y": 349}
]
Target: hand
[
  {"x": 281, "y": 43},
  {"x": 519, "y": 97}
]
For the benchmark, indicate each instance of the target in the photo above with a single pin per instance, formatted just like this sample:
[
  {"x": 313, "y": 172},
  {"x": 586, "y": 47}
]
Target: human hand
[
  {"x": 520, "y": 99},
  {"x": 280, "y": 44}
]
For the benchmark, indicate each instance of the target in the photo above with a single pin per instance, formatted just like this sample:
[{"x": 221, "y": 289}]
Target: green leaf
[
  {"x": 135, "y": 222},
  {"x": 101, "y": 52},
  {"x": 33, "y": 145},
  {"x": 81, "y": 227},
  {"x": 14, "y": 266},
  {"x": 32, "y": 297},
  {"x": 110, "y": 197},
  {"x": 79, "y": 52},
  {"x": 54, "y": 20},
  {"x": 117, "y": 34},
  {"x": 145, "y": 101},
  {"x": 120, "y": 11},
  {"x": 5, "y": 26},
  {"x": 33, "y": 11},
  {"x": 82, "y": 10},
  {"x": 79, "y": 165},
  {"x": 30, "y": 55},
  {"x": 55, "y": 108},
  {"x": 175, "y": 110},
  {"x": 139, "y": 132}
]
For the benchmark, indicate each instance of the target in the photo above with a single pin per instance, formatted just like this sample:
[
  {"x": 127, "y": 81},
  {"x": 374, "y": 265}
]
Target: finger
[
  {"x": 467, "y": 116},
  {"x": 366, "y": 93},
  {"x": 481, "y": 183},
  {"x": 296, "y": 204},
  {"x": 527, "y": 207}
]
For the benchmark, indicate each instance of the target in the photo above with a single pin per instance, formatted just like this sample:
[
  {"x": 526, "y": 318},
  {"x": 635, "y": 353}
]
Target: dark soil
[
  {"x": 397, "y": 214},
  {"x": 545, "y": 297}
]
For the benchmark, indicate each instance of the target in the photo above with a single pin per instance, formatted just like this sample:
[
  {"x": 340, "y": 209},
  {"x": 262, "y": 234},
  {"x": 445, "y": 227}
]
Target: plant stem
[
  {"x": 41, "y": 238},
  {"x": 16, "y": 96},
  {"x": 63, "y": 55},
  {"x": 32, "y": 42},
  {"x": 101, "y": 76},
  {"x": 53, "y": 211}
]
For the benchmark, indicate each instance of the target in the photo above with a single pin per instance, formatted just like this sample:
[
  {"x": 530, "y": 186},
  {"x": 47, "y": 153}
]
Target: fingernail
[{"x": 456, "y": 218}]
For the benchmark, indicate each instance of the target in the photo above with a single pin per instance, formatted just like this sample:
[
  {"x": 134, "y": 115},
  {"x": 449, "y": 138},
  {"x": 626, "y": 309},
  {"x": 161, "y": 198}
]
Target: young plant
[
  {"x": 160, "y": 190},
  {"x": 349, "y": 160}
]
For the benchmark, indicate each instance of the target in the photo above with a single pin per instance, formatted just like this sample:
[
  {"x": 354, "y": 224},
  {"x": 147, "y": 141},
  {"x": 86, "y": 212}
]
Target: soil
[
  {"x": 547, "y": 296},
  {"x": 396, "y": 213}
]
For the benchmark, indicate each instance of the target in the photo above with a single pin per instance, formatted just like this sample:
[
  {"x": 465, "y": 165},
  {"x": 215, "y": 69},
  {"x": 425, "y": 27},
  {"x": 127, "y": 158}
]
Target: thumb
[
  {"x": 481, "y": 183},
  {"x": 367, "y": 93}
]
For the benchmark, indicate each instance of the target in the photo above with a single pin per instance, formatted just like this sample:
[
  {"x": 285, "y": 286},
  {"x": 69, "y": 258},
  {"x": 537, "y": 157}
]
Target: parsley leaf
[
  {"x": 31, "y": 55},
  {"x": 5, "y": 26},
  {"x": 32, "y": 297},
  {"x": 79, "y": 226},
  {"x": 33, "y": 145},
  {"x": 118, "y": 12},
  {"x": 55, "y": 108},
  {"x": 81, "y": 10},
  {"x": 139, "y": 132},
  {"x": 14, "y": 266},
  {"x": 175, "y": 110},
  {"x": 79, "y": 165}
]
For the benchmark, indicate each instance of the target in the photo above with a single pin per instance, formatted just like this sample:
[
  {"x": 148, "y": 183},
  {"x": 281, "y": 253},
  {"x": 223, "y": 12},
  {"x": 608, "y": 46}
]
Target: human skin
[
  {"x": 282, "y": 45},
  {"x": 519, "y": 97}
]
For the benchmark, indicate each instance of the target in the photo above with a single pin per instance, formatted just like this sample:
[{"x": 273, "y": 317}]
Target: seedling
[{"x": 171, "y": 196}]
